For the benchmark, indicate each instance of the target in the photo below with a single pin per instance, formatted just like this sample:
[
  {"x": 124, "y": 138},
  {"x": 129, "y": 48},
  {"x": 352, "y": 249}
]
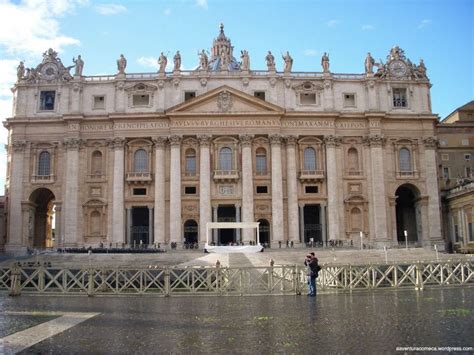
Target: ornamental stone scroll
[
  {"x": 175, "y": 139},
  {"x": 204, "y": 140},
  {"x": 332, "y": 140},
  {"x": 117, "y": 143},
  {"x": 159, "y": 142},
  {"x": 375, "y": 140},
  {"x": 291, "y": 140},
  {"x": 246, "y": 139},
  {"x": 275, "y": 139},
  {"x": 19, "y": 146},
  {"x": 430, "y": 142},
  {"x": 73, "y": 143}
]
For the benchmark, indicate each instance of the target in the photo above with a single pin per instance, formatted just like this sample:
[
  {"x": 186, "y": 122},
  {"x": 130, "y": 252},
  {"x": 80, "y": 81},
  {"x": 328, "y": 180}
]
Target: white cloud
[
  {"x": 110, "y": 9},
  {"x": 7, "y": 76},
  {"x": 333, "y": 23},
  {"x": 167, "y": 12},
  {"x": 368, "y": 28},
  {"x": 311, "y": 52},
  {"x": 202, "y": 3},
  {"x": 148, "y": 62},
  {"x": 424, "y": 23}
]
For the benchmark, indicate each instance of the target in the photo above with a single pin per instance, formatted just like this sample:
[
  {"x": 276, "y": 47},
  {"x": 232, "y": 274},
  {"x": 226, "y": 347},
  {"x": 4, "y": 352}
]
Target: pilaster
[
  {"x": 118, "y": 211},
  {"x": 175, "y": 189},
  {"x": 277, "y": 189},
  {"x": 160, "y": 190},
  {"x": 204, "y": 185},
  {"x": 331, "y": 142},
  {"x": 292, "y": 189},
  {"x": 247, "y": 186}
]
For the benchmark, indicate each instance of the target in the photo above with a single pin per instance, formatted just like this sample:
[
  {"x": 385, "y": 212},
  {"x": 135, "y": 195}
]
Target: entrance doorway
[
  {"x": 140, "y": 226},
  {"x": 312, "y": 224},
  {"x": 226, "y": 213},
  {"x": 264, "y": 232},
  {"x": 190, "y": 232},
  {"x": 407, "y": 212},
  {"x": 41, "y": 219}
]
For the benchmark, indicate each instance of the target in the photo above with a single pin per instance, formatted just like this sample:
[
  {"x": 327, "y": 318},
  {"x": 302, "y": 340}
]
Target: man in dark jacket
[{"x": 311, "y": 262}]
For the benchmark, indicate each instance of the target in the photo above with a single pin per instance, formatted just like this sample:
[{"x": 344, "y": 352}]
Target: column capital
[
  {"x": 175, "y": 139},
  {"x": 430, "y": 142},
  {"x": 73, "y": 143},
  {"x": 375, "y": 140},
  {"x": 117, "y": 142},
  {"x": 19, "y": 146},
  {"x": 204, "y": 139},
  {"x": 332, "y": 140},
  {"x": 291, "y": 140},
  {"x": 275, "y": 139},
  {"x": 246, "y": 139},
  {"x": 159, "y": 141}
]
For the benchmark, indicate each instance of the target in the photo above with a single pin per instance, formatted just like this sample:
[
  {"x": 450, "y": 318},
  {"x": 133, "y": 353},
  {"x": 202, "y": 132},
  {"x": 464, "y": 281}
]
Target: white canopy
[{"x": 232, "y": 225}]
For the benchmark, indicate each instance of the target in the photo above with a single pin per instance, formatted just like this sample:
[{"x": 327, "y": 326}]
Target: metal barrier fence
[{"x": 280, "y": 280}]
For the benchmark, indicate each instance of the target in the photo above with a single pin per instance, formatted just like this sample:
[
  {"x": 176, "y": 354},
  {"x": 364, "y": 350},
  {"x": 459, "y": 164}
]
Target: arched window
[
  {"x": 44, "y": 164},
  {"x": 356, "y": 220},
  {"x": 96, "y": 166},
  {"x": 190, "y": 161},
  {"x": 95, "y": 223},
  {"x": 225, "y": 159},
  {"x": 309, "y": 159},
  {"x": 405, "y": 160},
  {"x": 261, "y": 161},
  {"x": 353, "y": 159},
  {"x": 140, "y": 162}
]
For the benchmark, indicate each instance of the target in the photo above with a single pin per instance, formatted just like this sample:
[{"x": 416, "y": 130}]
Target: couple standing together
[{"x": 311, "y": 262}]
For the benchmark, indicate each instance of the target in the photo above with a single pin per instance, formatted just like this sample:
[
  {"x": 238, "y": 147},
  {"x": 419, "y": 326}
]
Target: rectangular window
[
  {"x": 188, "y": 95},
  {"x": 400, "y": 98},
  {"x": 141, "y": 100},
  {"x": 470, "y": 227},
  {"x": 139, "y": 192},
  {"x": 261, "y": 164},
  {"x": 262, "y": 189},
  {"x": 259, "y": 95},
  {"x": 307, "y": 99},
  {"x": 446, "y": 173},
  {"x": 190, "y": 190},
  {"x": 47, "y": 100},
  {"x": 467, "y": 157},
  {"x": 445, "y": 157},
  {"x": 465, "y": 142},
  {"x": 349, "y": 100},
  {"x": 99, "y": 102},
  {"x": 311, "y": 189}
]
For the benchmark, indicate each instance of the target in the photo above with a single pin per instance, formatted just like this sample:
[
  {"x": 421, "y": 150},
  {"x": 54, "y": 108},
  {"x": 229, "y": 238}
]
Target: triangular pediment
[{"x": 225, "y": 100}]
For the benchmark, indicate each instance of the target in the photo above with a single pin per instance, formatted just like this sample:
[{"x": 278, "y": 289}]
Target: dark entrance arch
[
  {"x": 190, "y": 231},
  {"x": 40, "y": 223},
  {"x": 406, "y": 212},
  {"x": 264, "y": 231}
]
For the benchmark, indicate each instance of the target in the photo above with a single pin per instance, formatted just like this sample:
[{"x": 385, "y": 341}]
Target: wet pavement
[{"x": 359, "y": 322}]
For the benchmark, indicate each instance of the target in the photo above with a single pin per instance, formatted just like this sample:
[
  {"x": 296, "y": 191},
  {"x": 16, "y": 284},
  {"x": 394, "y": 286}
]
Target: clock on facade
[{"x": 397, "y": 68}]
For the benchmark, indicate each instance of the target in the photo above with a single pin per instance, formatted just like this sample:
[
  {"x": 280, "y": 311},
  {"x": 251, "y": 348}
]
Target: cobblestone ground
[
  {"x": 198, "y": 258},
  {"x": 363, "y": 322}
]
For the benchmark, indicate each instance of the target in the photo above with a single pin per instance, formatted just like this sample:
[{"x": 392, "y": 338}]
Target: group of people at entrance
[{"x": 311, "y": 262}]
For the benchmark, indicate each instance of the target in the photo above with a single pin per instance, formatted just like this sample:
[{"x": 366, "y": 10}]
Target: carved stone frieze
[
  {"x": 332, "y": 140},
  {"x": 246, "y": 139},
  {"x": 117, "y": 143},
  {"x": 19, "y": 146},
  {"x": 275, "y": 139},
  {"x": 203, "y": 82},
  {"x": 204, "y": 140},
  {"x": 291, "y": 140},
  {"x": 430, "y": 142},
  {"x": 175, "y": 139},
  {"x": 375, "y": 140},
  {"x": 73, "y": 143},
  {"x": 160, "y": 141},
  {"x": 224, "y": 101}
]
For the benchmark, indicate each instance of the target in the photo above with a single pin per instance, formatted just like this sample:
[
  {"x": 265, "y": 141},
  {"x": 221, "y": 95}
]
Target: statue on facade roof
[
  {"x": 162, "y": 62},
  {"x": 270, "y": 59},
  {"x": 325, "y": 62},
  {"x": 288, "y": 62},
  {"x": 121, "y": 64},
  {"x": 177, "y": 61},
  {"x": 203, "y": 60},
  {"x": 79, "y": 65},
  {"x": 381, "y": 72},
  {"x": 420, "y": 70},
  {"x": 369, "y": 64},
  {"x": 20, "y": 71},
  {"x": 245, "y": 64}
]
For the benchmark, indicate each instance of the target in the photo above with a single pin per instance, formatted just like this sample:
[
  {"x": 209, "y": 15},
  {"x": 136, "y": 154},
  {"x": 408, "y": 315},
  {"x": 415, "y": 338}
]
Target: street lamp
[{"x": 406, "y": 238}]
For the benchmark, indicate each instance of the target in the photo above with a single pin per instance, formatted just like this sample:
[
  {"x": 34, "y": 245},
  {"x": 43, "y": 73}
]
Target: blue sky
[{"x": 439, "y": 31}]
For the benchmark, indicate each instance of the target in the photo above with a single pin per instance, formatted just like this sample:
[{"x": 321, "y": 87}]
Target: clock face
[
  {"x": 398, "y": 68},
  {"x": 49, "y": 71}
]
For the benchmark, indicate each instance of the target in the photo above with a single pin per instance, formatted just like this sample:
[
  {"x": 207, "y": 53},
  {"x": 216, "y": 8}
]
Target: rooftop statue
[
  {"x": 121, "y": 64},
  {"x": 203, "y": 60},
  {"x": 288, "y": 62},
  {"x": 369, "y": 64},
  {"x": 162, "y": 62},
  {"x": 270, "y": 59},
  {"x": 79, "y": 65},
  {"x": 245, "y": 64},
  {"x": 20, "y": 71},
  {"x": 177, "y": 61},
  {"x": 420, "y": 70},
  {"x": 325, "y": 62}
]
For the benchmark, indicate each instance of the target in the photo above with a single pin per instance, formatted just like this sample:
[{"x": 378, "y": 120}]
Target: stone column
[
  {"x": 214, "y": 231},
  {"x": 379, "y": 196},
  {"x": 292, "y": 189},
  {"x": 332, "y": 190},
  {"x": 392, "y": 201},
  {"x": 71, "y": 215},
  {"x": 58, "y": 226},
  {"x": 151, "y": 234},
  {"x": 247, "y": 185},
  {"x": 277, "y": 189},
  {"x": 204, "y": 186},
  {"x": 237, "y": 219},
  {"x": 175, "y": 189},
  {"x": 128, "y": 239},
  {"x": 118, "y": 225},
  {"x": 160, "y": 190},
  {"x": 432, "y": 190},
  {"x": 322, "y": 219},
  {"x": 302, "y": 223},
  {"x": 15, "y": 222}
]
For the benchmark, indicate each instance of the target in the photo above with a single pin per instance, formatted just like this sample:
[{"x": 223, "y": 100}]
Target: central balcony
[
  {"x": 226, "y": 175},
  {"x": 139, "y": 177},
  {"x": 311, "y": 175}
]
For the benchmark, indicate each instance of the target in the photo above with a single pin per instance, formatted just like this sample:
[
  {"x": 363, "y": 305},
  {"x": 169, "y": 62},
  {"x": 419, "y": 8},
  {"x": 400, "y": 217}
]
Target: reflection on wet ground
[{"x": 362, "y": 322}]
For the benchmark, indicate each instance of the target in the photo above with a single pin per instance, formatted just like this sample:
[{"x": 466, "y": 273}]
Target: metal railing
[{"x": 281, "y": 279}]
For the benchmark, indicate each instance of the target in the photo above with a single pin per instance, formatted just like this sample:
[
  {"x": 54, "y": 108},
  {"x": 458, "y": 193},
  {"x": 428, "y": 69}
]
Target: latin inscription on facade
[{"x": 226, "y": 190}]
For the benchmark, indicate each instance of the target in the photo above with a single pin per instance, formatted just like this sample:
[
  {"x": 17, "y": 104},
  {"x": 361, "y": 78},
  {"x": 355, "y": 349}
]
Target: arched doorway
[
  {"x": 190, "y": 232},
  {"x": 264, "y": 232},
  {"x": 41, "y": 219},
  {"x": 408, "y": 213}
]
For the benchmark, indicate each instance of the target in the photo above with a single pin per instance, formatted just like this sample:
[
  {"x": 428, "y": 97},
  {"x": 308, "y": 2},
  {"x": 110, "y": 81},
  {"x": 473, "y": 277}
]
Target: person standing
[{"x": 311, "y": 262}]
